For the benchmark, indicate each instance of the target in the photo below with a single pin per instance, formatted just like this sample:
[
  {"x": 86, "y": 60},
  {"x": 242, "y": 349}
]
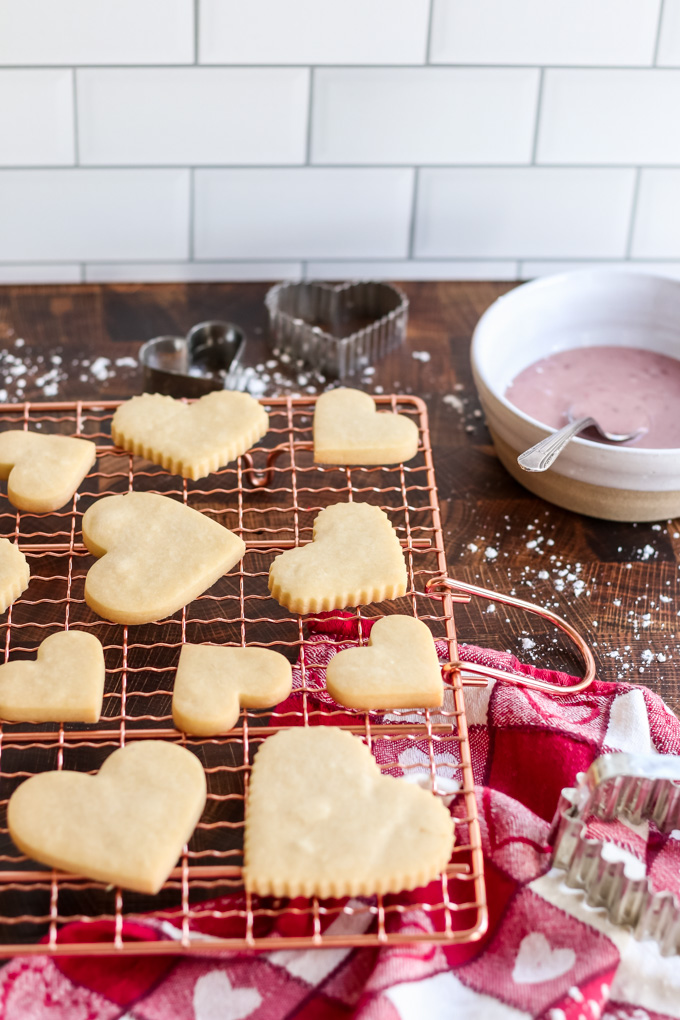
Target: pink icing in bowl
[
  {"x": 585, "y": 309},
  {"x": 627, "y": 389}
]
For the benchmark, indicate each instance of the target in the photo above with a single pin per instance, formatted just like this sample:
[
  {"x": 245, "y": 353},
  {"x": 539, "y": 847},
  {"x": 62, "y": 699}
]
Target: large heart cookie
[
  {"x": 349, "y": 430},
  {"x": 322, "y": 820},
  {"x": 126, "y": 825},
  {"x": 64, "y": 683},
  {"x": 190, "y": 439},
  {"x": 398, "y": 669},
  {"x": 43, "y": 472},
  {"x": 213, "y": 683},
  {"x": 156, "y": 556},
  {"x": 355, "y": 558},
  {"x": 14, "y": 573}
]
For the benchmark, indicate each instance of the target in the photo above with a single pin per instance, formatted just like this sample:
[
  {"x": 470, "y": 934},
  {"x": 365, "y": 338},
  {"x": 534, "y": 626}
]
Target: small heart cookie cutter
[
  {"x": 337, "y": 329},
  {"x": 207, "y": 359},
  {"x": 459, "y": 591},
  {"x": 634, "y": 788}
]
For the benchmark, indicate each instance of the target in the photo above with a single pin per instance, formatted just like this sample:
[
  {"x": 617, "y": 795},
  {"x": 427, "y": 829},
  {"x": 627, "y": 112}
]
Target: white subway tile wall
[
  {"x": 669, "y": 35},
  {"x": 403, "y": 139},
  {"x": 595, "y": 32},
  {"x": 525, "y": 212},
  {"x": 657, "y": 224},
  {"x": 424, "y": 115},
  {"x": 155, "y": 116},
  {"x": 310, "y": 32},
  {"x": 36, "y": 117},
  {"x": 311, "y": 212}
]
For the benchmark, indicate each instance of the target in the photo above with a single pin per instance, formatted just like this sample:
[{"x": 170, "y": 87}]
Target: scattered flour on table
[
  {"x": 47, "y": 372},
  {"x": 557, "y": 583}
]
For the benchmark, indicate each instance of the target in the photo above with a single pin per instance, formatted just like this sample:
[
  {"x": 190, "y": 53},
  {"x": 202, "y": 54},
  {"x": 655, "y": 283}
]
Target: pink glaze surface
[{"x": 624, "y": 388}]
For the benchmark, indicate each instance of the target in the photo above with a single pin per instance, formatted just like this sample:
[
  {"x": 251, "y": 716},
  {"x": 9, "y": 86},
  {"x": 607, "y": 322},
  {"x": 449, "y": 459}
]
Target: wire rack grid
[{"x": 270, "y": 497}]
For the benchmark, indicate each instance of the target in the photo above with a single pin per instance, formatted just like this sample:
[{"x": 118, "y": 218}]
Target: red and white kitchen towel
[{"x": 547, "y": 954}]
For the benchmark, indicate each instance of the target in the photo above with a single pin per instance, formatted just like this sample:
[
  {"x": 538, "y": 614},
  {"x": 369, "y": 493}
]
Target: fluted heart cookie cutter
[
  {"x": 337, "y": 329},
  {"x": 633, "y": 788},
  {"x": 206, "y": 359}
]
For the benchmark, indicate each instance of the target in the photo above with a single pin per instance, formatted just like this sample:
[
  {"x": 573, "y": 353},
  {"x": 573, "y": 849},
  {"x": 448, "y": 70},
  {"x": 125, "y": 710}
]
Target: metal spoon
[{"x": 543, "y": 454}]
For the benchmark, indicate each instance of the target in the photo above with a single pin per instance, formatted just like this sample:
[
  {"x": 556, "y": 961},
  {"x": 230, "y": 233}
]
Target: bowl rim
[{"x": 544, "y": 282}]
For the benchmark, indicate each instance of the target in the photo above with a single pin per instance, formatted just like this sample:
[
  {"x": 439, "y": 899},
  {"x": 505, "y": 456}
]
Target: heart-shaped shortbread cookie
[
  {"x": 322, "y": 820},
  {"x": 213, "y": 683},
  {"x": 43, "y": 472},
  {"x": 398, "y": 669},
  {"x": 14, "y": 573},
  {"x": 355, "y": 558},
  {"x": 349, "y": 430},
  {"x": 190, "y": 439},
  {"x": 64, "y": 683},
  {"x": 126, "y": 825},
  {"x": 156, "y": 556}
]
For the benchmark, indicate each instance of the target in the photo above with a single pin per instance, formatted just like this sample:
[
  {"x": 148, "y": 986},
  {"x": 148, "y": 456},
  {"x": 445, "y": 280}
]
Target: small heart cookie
[
  {"x": 156, "y": 556},
  {"x": 322, "y": 820},
  {"x": 43, "y": 472},
  {"x": 14, "y": 573},
  {"x": 213, "y": 683},
  {"x": 64, "y": 683},
  {"x": 190, "y": 439},
  {"x": 354, "y": 558},
  {"x": 348, "y": 429},
  {"x": 398, "y": 669},
  {"x": 125, "y": 826}
]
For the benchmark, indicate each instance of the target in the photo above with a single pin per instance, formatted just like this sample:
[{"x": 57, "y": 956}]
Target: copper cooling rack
[{"x": 270, "y": 497}]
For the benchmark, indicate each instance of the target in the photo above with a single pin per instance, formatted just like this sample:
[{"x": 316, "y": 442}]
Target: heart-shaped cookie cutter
[
  {"x": 337, "y": 329},
  {"x": 207, "y": 359},
  {"x": 635, "y": 788}
]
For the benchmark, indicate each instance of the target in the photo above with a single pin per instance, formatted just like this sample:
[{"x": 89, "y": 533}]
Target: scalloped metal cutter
[{"x": 634, "y": 788}]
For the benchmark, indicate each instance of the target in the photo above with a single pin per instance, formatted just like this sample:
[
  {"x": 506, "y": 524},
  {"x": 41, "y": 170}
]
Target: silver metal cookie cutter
[
  {"x": 634, "y": 788},
  {"x": 337, "y": 329},
  {"x": 207, "y": 359}
]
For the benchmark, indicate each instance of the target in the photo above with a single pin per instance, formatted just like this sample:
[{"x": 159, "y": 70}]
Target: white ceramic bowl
[{"x": 581, "y": 309}]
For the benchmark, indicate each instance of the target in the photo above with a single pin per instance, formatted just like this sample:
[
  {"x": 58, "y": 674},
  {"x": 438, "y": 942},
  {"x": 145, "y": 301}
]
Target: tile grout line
[
  {"x": 657, "y": 41},
  {"x": 537, "y": 123},
  {"x": 274, "y": 66},
  {"x": 428, "y": 41},
  {"x": 196, "y": 29},
  {"x": 192, "y": 203},
  {"x": 310, "y": 103},
  {"x": 397, "y": 260},
  {"x": 76, "y": 137},
  {"x": 96, "y": 167},
  {"x": 633, "y": 213},
  {"x": 414, "y": 210}
]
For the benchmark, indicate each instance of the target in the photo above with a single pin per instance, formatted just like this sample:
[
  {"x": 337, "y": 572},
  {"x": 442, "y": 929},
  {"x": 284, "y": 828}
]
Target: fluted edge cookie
[
  {"x": 322, "y": 820},
  {"x": 354, "y": 558},
  {"x": 194, "y": 439}
]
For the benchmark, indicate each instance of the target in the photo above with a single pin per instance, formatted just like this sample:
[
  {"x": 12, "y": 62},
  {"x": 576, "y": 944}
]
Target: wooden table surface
[{"x": 617, "y": 583}]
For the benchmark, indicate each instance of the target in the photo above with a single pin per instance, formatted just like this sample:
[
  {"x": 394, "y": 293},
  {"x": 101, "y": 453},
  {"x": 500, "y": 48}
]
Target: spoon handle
[{"x": 542, "y": 455}]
